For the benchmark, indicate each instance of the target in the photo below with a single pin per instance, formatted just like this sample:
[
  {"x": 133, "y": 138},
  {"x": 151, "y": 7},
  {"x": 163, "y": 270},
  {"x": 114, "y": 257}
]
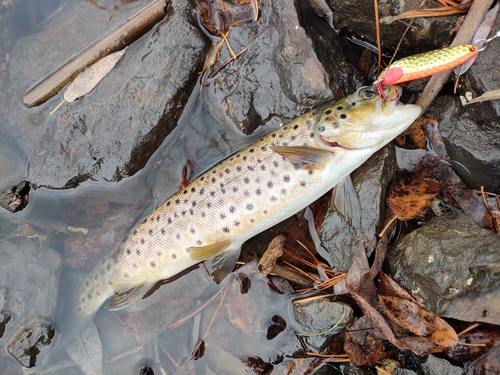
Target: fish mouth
[{"x": 330, "y": 144}]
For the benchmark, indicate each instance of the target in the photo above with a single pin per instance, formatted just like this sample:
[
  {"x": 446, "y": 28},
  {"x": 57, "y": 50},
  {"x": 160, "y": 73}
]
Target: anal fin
[
  {"x": 127, "y": 297},
  {"x": 346, "y": 202},
  {"x": 222, "y": 265}
]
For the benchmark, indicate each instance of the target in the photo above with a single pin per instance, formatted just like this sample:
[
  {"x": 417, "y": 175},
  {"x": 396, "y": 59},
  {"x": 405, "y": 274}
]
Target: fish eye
[{"x": 367, "y": 93}]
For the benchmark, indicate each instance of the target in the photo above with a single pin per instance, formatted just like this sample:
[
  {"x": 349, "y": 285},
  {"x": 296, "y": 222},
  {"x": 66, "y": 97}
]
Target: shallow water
[{"x": 61, "y": 234}]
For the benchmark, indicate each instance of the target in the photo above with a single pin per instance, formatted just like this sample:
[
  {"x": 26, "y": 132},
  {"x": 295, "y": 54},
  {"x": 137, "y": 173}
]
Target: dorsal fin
[{"x": 123, "y": 299}]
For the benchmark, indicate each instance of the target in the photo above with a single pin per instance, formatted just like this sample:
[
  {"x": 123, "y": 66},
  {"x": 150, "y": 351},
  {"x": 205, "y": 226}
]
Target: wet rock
[
  {"x": 483, "y": 76},
  {"x": 403, "y": 371},
  {"x": 315, "y": 319},
  {"x": 30, "y": 340},
  {"x": 438, "y": 366},
  {"x": 472, "y": 145},
  {"x": 30, "y": 277},
  {"x": 111, "y": 132},
  {"x": 450, "y": 265},
  {"x": 426, "y": 33},
  {"x": 370, "y": 181},
  {"x": 277, "y": 79}
]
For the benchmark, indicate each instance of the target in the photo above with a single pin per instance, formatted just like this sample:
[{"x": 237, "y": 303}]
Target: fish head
[{"x": 364, "y": 119}]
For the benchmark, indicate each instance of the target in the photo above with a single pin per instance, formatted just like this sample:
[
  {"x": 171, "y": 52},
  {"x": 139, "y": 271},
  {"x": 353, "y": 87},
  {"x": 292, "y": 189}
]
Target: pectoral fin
[
  {"x": 304, "y": 157},
  {"x": 127, "y": 297},
  {"x": 201, "y": 253},
  {"x": 346, "y": 202}
]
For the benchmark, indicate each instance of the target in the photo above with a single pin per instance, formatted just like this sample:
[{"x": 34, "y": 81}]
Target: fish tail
[{"x": 77, "y": 309}]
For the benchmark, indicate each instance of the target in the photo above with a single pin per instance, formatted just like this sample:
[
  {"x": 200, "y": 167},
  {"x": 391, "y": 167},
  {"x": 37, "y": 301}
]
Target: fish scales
[{"x": 241, "y": 196}]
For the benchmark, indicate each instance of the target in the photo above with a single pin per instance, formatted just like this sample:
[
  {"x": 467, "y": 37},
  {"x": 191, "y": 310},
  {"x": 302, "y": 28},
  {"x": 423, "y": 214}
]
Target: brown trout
[{"x": 242, "y": 196}]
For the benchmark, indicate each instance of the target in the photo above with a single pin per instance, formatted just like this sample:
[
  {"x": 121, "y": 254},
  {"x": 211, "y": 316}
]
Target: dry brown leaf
[
  {"x": 412, "y": 138},
  {"x": 89, "y": 78},
  {"x": 389, "y": 287},
  {"x": 272, "y": 254},
  {"x": 411, "y": 317},
  {"x": 410, "y": 194}
]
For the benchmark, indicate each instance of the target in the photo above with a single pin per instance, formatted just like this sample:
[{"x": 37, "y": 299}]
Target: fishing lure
[{"x": 425, "y": 64}]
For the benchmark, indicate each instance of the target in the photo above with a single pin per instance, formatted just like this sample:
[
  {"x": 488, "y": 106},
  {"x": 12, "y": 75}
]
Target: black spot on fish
[
  {"x": 257, "y": 180},
  {"x": 158, "y": 218},
  {"x": 295, "y": 127},
  {"x": 343, "y": 116},
  {"x": 202, "y": 191},
  {"x": 177, "y": 201},
  {"x": 108, "y": 267},
  {"x": 145, "y": 220},
  {"x": 199, "y": 242},
  {"x": 191, "y": 211},
  {"x": 212, "y": 193},
  {"x": 249, "y": 207},
  {"x": 293, "y": 137},
  {"x": 153, "y": 264},
  {"x": 150, "y": 232},
  {"x": 186, "y": 200},
  {"x": 193, "y": 204},
  {"x": 159, "y": 253},
  {"x": 202, "y": 178},
  {"x": 213, "y": 180},
  {"x": 221, "y": 174},
  {"x": 193, "y": 190},
  {"x": 286, "y": 178},
  {"x": 183, "y": 213},
  {"x": 235, "y": 189},
  {"x": 265, "y": 212},
  {"x": 168, "y": 203},
  {"x": 276, "y": 164},
  {"x": 236, "y": 223},
  {"x": 237, "y": 155},
  {"x": 302, "y": 183},
  {"x": 134, "y": 265},
  {"x": 283, "y": 191},
  {"x": 221, "y": 184},
  {"x": 202, "y": 214},
  {"x": 169, "y": 220},
  {"x": 178, "y": 236},
  {"x": 162, "y": 230},
  {"x": 269, "y": 184},
  {"x": 328, "y": 112},
  {"x": 263, "y": 148},
  {"x": 273, "y": 199},
  {"x": 252, "y": 220},
  {"x": 311, "y": 135},
  {"x": 246, "y": 193},
  {"x": 223, "y": 191},
  {"x": 231, "y": 159},
  {"x": 79, "y": 309},
  {"x": 311, "y": 172},
  {"x": 226, "y": 229},
  {"x": 227, "y": 170},
  {"x": 263, "y": 167},
  {"x": 244, "y": 158},
  {"x": 232, "y": 209},
  {"x": 187, "y": 249},
  {"x": 259, "y": 160},
  {"x": 135, "y": 232},
  {"x": 222, "y": 216},
  {"x": 252, "y": 150},
  {"x": 125, "y": 274},
  {"x": 246, "y": 180},
  {"x": 174, "y": 256},
  {"x": 238, "y": 168},
  {"x": 258, "y": 192},
  {"x": 340, "y": 108},
  {"x": 142, "y": 241},
  {"x": 285, "y": 144},
  {"x": 209, "y": 204},
  {"x": 274, "y": 135},
  {"x": 192, "y": 230},
  {"x": 214, "y": 171},
  {"x": 250, "y": 168},
  {"x": 185, "y": 191},
  {"x": 335, "y": 125},
  {"x": 138, "y": 252},
  {"x": 321, "y": 128}
]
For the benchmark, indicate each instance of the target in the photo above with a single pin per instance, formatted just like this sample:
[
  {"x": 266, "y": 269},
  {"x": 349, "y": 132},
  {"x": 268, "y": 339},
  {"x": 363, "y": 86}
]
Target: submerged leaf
[{"x": 90, "y": 77}]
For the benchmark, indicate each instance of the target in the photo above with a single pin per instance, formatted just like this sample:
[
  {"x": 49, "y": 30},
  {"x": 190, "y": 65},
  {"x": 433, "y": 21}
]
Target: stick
[{"x": 133, "y": 28}]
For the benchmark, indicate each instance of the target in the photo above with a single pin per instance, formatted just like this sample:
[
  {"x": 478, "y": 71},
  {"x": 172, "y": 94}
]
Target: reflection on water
[{"x": 62, "y": 234}]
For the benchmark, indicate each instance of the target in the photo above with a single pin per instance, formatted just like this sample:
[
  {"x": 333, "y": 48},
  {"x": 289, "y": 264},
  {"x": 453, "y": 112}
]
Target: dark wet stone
[
  {"x": 111, "y": 132},
  {"x": 370, "y": 181},
  {"x": 450, "y": 265},
  {"x": 426, "y": 33},
  {"x": 29, "y": 342},
  {"x": 403, "y": 371},
  {"x": 483, "y": 76},
  {"x": 317, "y": 316},
  {"x": 30, "y": 277},
  {"x": 277, "y": 79},
  {"x": 472, "y": 145},
  {"x": 438, "y": 366},
  {"x": 13, "y": 174}
]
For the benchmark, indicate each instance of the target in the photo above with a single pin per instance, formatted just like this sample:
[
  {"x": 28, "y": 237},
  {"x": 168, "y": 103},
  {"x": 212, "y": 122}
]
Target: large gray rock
[
  {"x": 371, "y": 180},
  {"x": 111, "y": 132},
  {"x": 472, "y": 145},
  {"x": 451, "y": 266}
]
